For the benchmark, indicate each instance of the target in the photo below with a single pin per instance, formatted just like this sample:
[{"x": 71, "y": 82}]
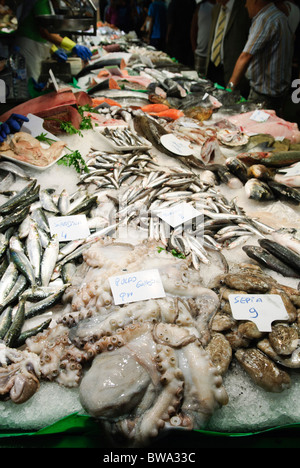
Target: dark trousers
[
  {"x": 216, "y": 74},
  {"x": 275, "y": 103}
]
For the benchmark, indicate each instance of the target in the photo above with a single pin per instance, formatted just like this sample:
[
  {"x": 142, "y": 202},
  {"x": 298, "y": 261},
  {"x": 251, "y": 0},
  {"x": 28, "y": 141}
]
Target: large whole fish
[{"x": 270, "y": 158}]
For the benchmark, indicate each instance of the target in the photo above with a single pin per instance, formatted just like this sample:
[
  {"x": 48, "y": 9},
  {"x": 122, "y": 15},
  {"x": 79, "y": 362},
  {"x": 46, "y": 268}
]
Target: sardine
[
  {"x": 32, "y": 309},
  {"x": 31, "y": 332},
  {"x": 15, "y": 328},
  {"x": 7, "y": 281},
  {"x": 13, "y": 295},
  {"x": 47, "y": 202},
  {"x": 21, "y": 260},
  {"x": 17, "y": 200},
  {"x": 49, "y": 260},
  {"x": 5, "y": 321},
  {"x": 34, "y": 250}
]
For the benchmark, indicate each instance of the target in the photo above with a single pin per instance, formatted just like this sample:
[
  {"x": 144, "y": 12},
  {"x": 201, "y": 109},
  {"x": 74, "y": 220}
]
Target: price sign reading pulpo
[{"x": 137, "y": 286}]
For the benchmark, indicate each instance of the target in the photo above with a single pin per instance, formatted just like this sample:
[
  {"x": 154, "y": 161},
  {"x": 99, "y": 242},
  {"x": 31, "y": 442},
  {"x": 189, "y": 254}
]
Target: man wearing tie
[{"x": 228, "y": 35}]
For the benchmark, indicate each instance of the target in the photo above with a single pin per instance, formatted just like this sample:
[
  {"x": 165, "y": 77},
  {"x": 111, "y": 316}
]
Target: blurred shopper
[
  {"x": 267, "y": 55},
  {"x": 228, "y": 35},
  {"x": 179, "y": 19},
  {"x": 200, "y": 29},
  {"x": 155, "y": 25}
]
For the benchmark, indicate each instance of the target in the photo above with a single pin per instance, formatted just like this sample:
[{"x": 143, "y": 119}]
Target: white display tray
[{"x": 35, "y": 127}]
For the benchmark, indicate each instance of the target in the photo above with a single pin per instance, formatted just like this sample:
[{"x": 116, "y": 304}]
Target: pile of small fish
[
  {"x": 124, "y": 137},
  {"x": 35, "y": 268}
]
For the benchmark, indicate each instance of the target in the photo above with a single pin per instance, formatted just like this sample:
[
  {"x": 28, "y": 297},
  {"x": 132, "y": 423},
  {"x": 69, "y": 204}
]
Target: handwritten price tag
[
  {"x": 175, "y": 145},
  {"x": 178, "y": 214},
  {"x": 137, "y": 286},
  {"x": 260, "y": 309},
  {"x": 69, "y": 227}
]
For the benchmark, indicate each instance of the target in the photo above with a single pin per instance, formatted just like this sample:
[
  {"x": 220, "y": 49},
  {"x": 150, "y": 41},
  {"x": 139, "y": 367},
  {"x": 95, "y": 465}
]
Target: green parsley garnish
[
  {"x": 174, "y": 252},
  {"x": 74, "y": 159}
]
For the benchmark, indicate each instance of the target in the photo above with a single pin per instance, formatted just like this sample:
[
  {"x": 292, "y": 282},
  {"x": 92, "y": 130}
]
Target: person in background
[
  {"x": 155, "y": 25},
  {"x": 179, "y": 20},
  {"x": 12, "y": 125},
  {"x": 111, "y": 13},
  {"x": 37, "y": 43},
  {"x": 267, "y": 56},
  {"x": 291, "y": 10},
  {"x": 228, "y": 35},
  {"x": 200, "y": 28}
]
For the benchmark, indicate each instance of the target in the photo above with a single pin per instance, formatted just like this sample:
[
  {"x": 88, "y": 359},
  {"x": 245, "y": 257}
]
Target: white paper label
[
  {"x": 175, "y": 145},
  {"x": 138, "y": 286},
  {"x": 178, "y": 214},
  {"x": 69, "y": 227},
  {"x": 260, "y": 309},
  {"x": 260, "y": 116}
]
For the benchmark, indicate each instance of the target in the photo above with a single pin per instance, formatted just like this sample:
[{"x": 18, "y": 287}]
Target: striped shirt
[{"x": 270, "y": 42}]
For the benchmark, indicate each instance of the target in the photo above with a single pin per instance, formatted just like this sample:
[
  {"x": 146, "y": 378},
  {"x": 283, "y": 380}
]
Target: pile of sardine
[{"x": 35, "y": 268}]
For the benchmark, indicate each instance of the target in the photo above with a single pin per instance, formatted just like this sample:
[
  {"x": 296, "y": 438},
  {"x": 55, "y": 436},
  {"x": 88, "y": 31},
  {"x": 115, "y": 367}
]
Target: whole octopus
[{"x": 145, "y": 367}]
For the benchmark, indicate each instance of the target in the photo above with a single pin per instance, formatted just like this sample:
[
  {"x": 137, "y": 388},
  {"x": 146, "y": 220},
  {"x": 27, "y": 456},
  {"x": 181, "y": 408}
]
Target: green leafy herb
[
  {"x": 74, "y": 159},
  {"x": 69, "y": 128},
  {"x": 177, "y": 254},
  {"x": 43, "y": 137},
  {"x": 173, "y": 252},
  {"x": 86, "y": 122}
]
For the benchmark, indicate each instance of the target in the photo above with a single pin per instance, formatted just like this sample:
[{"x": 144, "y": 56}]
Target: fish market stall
[{"x": 150, "y": 259}]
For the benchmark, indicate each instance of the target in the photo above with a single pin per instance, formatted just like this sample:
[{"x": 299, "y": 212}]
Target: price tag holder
[
  {"x": 69, "y": 227},
  {"x": 138, "y": 286},
  {"x": 260, "y": 309},
  {"x": 178, "y": 214}
]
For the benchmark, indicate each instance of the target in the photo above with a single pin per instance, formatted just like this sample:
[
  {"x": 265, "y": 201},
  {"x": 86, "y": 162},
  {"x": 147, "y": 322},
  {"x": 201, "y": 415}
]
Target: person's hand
[
  {"x": 12, "y": 125},
  {"x": 60, "y": 55},
  {"x": 82, "y": 52},
  {"x": 38, "y": 86}
]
